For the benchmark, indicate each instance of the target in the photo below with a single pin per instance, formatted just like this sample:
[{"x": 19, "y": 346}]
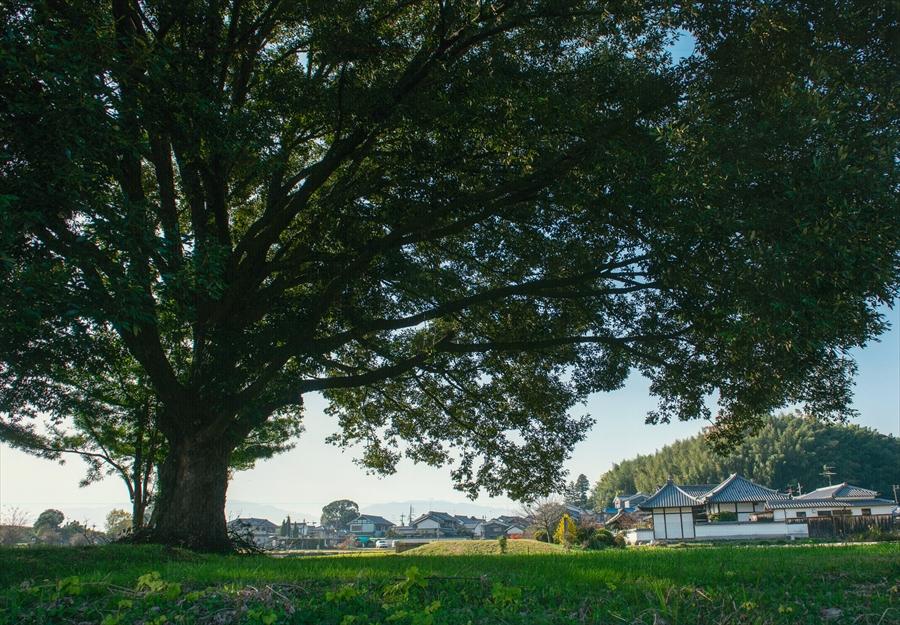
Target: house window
[
  {"x": 842, "y": 512},
  {"x": 867, "y": 511},
  {"x": 823, "y": 513},
  {"x": 801, "y": 515}
]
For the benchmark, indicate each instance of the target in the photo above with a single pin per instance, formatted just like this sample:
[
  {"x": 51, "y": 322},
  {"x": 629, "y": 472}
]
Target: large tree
[
  {"x": 105, "y": 412},
  {"x": 338, "y": 514},
  {"x": 454, "y": 218}
]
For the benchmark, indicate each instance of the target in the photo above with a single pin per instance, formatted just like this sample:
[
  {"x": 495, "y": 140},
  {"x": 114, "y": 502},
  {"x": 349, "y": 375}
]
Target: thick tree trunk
[{"x": 190, "y": 504}]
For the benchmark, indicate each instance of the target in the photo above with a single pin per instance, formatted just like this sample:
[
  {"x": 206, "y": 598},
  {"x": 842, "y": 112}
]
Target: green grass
[{"x": 728, "y": 584}]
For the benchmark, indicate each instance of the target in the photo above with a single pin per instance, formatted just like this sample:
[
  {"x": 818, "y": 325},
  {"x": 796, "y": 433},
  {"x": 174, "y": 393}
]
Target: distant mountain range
[{"x": 238, "y": 508}]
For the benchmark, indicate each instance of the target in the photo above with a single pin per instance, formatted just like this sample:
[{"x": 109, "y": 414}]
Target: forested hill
[{"x": 787, "y": 449}]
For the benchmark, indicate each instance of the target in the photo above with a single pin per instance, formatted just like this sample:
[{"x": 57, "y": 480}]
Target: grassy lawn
[{"x": 153, "y": 586}]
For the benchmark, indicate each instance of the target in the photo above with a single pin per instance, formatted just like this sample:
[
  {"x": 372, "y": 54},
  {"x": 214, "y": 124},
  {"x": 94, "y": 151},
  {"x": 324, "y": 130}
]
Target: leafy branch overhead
[{"x": 455, "y": 219}]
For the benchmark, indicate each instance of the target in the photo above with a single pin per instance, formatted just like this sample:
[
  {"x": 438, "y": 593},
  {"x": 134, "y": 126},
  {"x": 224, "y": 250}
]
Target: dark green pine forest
[{"x": 786, "y": 450}]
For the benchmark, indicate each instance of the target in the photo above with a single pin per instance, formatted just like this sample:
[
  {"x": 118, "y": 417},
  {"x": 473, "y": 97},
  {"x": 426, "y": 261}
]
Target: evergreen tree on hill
[{"x": 787, "y": 450}]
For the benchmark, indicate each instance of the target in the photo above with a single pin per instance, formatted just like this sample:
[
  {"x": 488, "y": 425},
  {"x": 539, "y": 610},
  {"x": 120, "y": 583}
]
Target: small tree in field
[
  {"x": 118, "y": 522},
  {"x": 566, "y": 531},
  {"x": 14, "y": 526},
  {"x": 543, "y": 515}
]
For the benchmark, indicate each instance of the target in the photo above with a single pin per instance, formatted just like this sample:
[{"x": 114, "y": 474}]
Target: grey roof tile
[
  {"x": 697, "y": 490},
  {"x": 670, "y": 496},
  {"x": 737, "y": 489},
  {"x": 839, "y": 491},
  {"x": 825, "y": 502}
]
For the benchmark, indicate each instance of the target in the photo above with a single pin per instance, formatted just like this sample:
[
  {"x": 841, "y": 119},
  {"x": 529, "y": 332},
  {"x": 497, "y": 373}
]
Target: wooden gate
[{"x": 844, "y": 526}]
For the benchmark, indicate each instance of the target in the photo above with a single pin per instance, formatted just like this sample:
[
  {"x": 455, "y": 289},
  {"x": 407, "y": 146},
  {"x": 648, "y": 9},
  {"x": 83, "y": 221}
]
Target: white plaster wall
[
  {"x": 636, "y": 536},
  {"x": 428, "y": 524},
  {"x": 812, "y": 512},
  {"x": 751, "y": 530}
]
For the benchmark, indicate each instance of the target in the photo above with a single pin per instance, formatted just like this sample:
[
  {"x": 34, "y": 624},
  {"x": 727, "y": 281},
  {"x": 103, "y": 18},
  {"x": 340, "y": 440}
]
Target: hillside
[{"x": 786, "y": 450}]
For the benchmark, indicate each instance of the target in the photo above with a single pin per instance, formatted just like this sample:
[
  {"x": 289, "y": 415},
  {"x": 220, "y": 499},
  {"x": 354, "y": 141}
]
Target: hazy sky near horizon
[{"x": 314, "y": 473}]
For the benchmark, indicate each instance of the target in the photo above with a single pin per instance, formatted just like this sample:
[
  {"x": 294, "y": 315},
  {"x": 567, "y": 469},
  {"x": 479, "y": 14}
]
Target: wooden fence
[{"x": 845, "y": 526}]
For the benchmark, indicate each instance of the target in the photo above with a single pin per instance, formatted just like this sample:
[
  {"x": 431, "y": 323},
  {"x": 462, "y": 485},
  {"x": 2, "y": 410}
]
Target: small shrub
[
  {"x": 502, "y": 542},
  {"x": 542, "y": 536},
  {"x": 565, "y": 531},
  {"x": 619, "y": 541},
  {"x": 722, "y": 517},
  {"x": 599, "y": 539}
]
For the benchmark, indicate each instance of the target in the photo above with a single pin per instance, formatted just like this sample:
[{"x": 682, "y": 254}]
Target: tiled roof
[
  {"x": 670, "y": 496},
  {"x": 377, "y": 520},
  {"x": 252, "y": 522},
  {"x": 697, "y": 490},
  {"x": 825, "y": 502},
  {"x": 632, "y": 496},
  {"x": 839, "y": 491},
  {"x": 738, "y": 489},
  {"x": 440, "y": 517}
]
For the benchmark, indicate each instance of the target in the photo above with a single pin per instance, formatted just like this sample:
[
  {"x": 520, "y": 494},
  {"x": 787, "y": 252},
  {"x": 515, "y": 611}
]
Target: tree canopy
[
  {"x": 338, "y": 514},
  {"x": 576, "y": 492},
  {"x": 788, "y": 452},
  {"x": 456, "y": 219}
]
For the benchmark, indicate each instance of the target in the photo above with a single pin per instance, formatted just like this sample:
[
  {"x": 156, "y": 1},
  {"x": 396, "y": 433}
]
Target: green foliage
[
  {"x": 456, "y": 220},
  {"x": 785, "y": 451},
  {"x": 152, "y": 583},
  {"x": 565, "y": 533},
  {"x": 502, "y": 543},
  {"x": 505, "y": 596},
  {"x": 595, "y": 538},
  {"x": 118, "y": 522},
  {"x": 542, "y": 535},
  {"x": 49, "y": 519},
  {"x": 725, "y": 516},
  {"x": 338, "y": 514},
  {"x": 576, "y": 493}
]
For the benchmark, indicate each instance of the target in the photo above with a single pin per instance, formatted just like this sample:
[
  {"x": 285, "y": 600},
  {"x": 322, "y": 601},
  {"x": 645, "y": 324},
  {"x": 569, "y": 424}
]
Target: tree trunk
[
  {"x": 137, "y": 505},
  {"x": 190, "y": 504}
]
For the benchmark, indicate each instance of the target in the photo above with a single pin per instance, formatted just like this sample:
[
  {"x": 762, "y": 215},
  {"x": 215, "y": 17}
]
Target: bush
[
  {"x": 722, "y": 517},
  {"x": 619, "y": 541},
  {"x": 600, "y": 539},
  {"x": 502, "y": 542},
  {"x": 542, "y": 536},
  {"x": 565, "y": 531}
]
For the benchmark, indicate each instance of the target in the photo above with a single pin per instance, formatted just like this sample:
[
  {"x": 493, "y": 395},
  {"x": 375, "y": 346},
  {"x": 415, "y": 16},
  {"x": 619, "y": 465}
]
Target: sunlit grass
[{"x": 728, "y": 584}]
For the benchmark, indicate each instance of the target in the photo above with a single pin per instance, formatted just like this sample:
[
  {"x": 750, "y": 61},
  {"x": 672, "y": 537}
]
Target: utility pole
[
  {"x": 896, "y": 488},
  {"x": 827, "y": 472}
]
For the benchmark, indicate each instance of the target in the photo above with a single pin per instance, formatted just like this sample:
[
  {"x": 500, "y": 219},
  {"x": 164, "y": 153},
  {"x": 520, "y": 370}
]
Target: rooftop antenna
[
  {"x": 827, "y": 472},
  {"x": 799, "y": 488}
]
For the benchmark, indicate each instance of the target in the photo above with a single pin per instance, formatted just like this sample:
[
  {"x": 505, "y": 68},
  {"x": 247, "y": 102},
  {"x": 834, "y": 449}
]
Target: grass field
[{"x": 858, "y": 584}]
